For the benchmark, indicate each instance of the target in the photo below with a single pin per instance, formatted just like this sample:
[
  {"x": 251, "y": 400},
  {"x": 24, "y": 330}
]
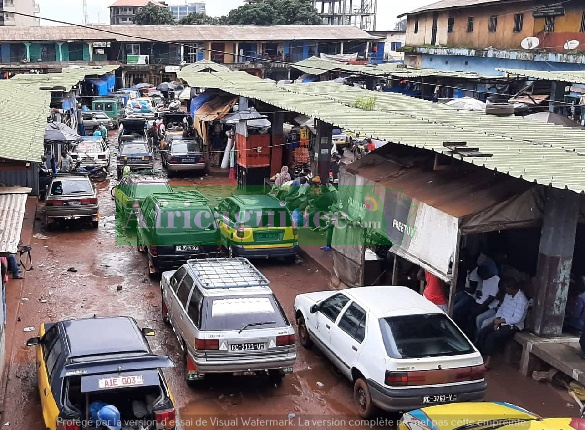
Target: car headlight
[{"x": 409, "y": 422}]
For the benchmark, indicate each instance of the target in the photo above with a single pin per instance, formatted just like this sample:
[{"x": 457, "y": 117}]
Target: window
[
  {"x": 395, "y": 45},
  {"x": 470, "y": 24},
  {"x": 333, "y": 306},
  {"x": 549, "y": 24},
  {"x": 518, "y": 22},
  {"x": 423, "y": 335},
  {"x": 416, "y": 26},
  {"x": 53, "y": 357},
  {"x": 353, "y": 322},
  {"x": 49, "y": 340},
  {"x": 65, "y": 187},
  {"x": 184, "y": 290},
  {"x": 493, "y": 24},
  {"x": 450, "y": 24},
  {"x": 194, "y": 310},
  {"x": 177, "y": 277},
  {"x": 236, "y": 312},
  {"x": 133, "y": 49},
  {"x": 582, "y": 28}
]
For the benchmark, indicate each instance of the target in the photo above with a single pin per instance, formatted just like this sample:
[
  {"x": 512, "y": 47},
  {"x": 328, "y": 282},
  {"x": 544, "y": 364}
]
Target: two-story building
[
  {"x": 268, "y": 50},
  {"x": 484, "y": 35}
]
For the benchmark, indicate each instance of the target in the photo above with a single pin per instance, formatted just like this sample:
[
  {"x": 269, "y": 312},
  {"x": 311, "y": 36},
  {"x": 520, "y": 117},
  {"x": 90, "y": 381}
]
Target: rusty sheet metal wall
[
  {"x": 12, "y": 208},
  {"x": 28, "y": 177}
]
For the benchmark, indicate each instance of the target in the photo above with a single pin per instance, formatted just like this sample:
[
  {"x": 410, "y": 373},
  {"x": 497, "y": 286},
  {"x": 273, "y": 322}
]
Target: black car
[{"x": 108, "y": 360}]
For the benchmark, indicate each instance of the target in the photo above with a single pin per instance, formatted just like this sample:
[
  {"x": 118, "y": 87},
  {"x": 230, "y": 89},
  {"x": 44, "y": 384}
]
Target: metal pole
[
  {"x": 395, "y": 269},
  {"x": 454, "y": 270}
]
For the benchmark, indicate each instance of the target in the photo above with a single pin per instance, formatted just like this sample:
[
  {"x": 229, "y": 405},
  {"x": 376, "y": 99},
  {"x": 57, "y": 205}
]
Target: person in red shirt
[
  {"x": 435, "y": 291},
  {"x": 370, "y": 146}
]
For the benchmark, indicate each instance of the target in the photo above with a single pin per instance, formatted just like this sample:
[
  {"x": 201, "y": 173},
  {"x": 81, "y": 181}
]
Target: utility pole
[{"x": 85, "y": 16}]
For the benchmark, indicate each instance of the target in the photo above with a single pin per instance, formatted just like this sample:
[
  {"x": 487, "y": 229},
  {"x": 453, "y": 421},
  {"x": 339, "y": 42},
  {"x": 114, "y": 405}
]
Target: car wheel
[
  {"x": 291, "y": 259},
  {"x": 275, "y": 376},
  {"x": 363, "y": 399},
  {"x": 304, "y": 337},
  {"x": 165, "y": 312},
  {"x": 95, "y": 224}
]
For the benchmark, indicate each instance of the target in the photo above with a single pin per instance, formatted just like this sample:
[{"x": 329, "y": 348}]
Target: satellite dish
[
  {"x": 571, "y": 44},
  {"x": 530, "y": 43}
]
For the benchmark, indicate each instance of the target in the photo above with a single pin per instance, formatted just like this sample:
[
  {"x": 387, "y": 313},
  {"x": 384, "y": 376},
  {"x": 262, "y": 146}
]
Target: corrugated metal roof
[
  {"x": 318, "y": 66},
  {"x": 185, "y": 33},
  {"x": 517, "y": 155},
  {"x": 575, "y": 77},
  {"x": 12, "y": 208},
  {"x": 206, "y": 65},
  {"x": 450, "y": 4},
  {"x": 66, "y": 79}
]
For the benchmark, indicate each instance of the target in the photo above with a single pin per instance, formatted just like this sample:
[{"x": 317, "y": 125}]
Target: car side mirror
[
  {"x": 148, "y": 331},
  {"x": 315, "y": 308},
  {"x": 33, "y": 341}
]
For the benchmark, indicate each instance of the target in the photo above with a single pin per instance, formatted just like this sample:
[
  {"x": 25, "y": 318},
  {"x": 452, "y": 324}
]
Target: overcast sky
[{"x": 72, "y": 10}]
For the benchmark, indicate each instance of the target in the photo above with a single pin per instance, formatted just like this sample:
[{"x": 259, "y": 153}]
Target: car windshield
[
  {"x": 423, "y": 335},
  {"x": 65, "y": 187},
  {"x": 144, "y": 190},
  {"x": 235, "y": 313},
  {"x": 88, "y": 146},
  {"x": 181, "y": 147},
  {"x": 135, "y": 148},
  {"x": 200, "y": 219}
]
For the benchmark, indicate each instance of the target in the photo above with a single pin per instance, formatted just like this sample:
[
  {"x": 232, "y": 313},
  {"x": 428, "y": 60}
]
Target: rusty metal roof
[
  {"x": 575, "y": 77},
  {"x": 450, "y": 4},
  {"x": 185, "y": 33},
  {"x": 12, "y": 208}
]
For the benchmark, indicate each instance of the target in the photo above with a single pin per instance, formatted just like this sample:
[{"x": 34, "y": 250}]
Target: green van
[
  {"x": 113, "y": 107},
  {"x": 176, "y": 227}
]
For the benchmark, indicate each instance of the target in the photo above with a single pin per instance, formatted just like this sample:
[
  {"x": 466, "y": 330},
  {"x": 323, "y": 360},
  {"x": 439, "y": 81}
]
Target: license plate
[
  {"x": 188, "y": 160},
  {"x": 120, "y": 381},
  {"x": 269, "y": 236},
  {"x": 135, "y": 159},
  {"x": 73, "y": 203},
  {"x": 247, "y": 346},
  {"x": 440, "y": 398},
  {"x": 186, "y": 248}
]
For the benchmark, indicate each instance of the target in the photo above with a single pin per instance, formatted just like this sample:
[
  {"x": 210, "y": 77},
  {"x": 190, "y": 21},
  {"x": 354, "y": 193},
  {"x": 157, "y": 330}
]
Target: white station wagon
[{"x": 400, "y": 351}]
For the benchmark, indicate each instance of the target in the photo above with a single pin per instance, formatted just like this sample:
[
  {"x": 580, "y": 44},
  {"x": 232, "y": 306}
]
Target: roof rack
[{"x": 215, "y": 273}]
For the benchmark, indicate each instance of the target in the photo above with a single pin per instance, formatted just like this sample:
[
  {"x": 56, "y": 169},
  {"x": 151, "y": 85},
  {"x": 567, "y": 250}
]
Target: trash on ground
[
  {"x": 28, "y": 329},
  {"x": 320, "y": 384},
  {"x": 40, "y": 236},
  {"x": 24, "y": 299},
  {"x": 72, "y": 269}
]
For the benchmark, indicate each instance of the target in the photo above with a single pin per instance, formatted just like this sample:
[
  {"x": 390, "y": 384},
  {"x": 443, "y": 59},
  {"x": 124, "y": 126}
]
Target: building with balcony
[
  {"x": 9, "y": 10},
  {"x": 360, "y": 13},
  {"x": 485, "y": 35},
  {"x": 180, "y": 11},
  {"x": 122, "y": 12}
]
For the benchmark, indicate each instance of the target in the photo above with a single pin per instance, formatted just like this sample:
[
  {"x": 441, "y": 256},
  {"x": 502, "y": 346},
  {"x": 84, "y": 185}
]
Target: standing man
[
  {"x": 66, "y": 162},
  {"x": 435, "y": 291},
  {"x": 104, "y": 131},
  {"x": 509, "y": 320}
]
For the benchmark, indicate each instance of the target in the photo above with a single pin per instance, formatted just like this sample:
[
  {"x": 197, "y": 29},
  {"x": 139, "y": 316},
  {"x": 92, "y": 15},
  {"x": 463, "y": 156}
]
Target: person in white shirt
[{"x": 509, "y": 320}]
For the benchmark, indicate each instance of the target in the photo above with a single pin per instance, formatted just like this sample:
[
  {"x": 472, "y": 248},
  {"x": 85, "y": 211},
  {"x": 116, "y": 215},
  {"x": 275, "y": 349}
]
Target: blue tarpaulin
[
  {"x": 199, "y": 101},
  {"x": 310, "y": 78},
  {"x": 101, "y": 86}
]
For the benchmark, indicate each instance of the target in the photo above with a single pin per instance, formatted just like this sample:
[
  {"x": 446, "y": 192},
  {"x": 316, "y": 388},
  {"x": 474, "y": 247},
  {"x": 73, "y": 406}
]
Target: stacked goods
[{"x": 301, "y": 155}]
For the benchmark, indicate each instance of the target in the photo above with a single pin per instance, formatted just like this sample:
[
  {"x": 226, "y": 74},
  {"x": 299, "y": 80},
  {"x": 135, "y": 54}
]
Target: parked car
[
  {"x": 71, "y": 196},
  {"x": 257, "y": 226},
  {"x": 111, "y": 106},
  {"x": 92, "y": 151},
  {"x": 183, "y": 155},
  {"x": 227, "y": 319},
  {"x": 132, "y": 129},
  {"x": 134, "y": 188},
  {"x": 170, "y": 240},
  {"x": 483, "y": 415},
  {"x": 137, "y": 155},
  {"x": 400, "y": 351},
  {"x": 75, "y": 369},
  {"x": 93, "y": 119}
]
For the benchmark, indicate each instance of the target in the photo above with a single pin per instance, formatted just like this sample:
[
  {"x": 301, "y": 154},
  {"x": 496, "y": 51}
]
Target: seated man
[
  {"x": 575, "y": 309},
  {"x": 509, "y": 320}
]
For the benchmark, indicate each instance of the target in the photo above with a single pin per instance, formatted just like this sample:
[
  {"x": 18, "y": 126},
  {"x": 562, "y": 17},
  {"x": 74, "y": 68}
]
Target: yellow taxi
[
  {"x": 96, "y": 367},
  {"x": 483, "y": 416},
  {"x": 257, "y": 226}
]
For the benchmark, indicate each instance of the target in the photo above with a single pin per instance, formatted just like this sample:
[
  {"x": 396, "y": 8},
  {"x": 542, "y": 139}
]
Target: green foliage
[
  {"x": 199, "y": 19},
  {"x": 275, "y": 12},
  {"x": 152, "y": 14},
  {"x": 365, "y": 103}
]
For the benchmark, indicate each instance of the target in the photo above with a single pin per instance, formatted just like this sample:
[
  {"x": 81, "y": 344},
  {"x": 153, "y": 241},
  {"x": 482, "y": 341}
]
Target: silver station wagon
[{"x": 227, "y": 319}]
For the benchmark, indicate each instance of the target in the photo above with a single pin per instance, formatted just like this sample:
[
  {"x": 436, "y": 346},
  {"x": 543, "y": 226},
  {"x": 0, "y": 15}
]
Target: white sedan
[
  {"x": 92, "y": 151},
  {"x": 400, "y": 351}
]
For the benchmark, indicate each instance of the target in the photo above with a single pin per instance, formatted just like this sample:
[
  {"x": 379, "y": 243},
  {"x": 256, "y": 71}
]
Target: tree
[
  {"x": 198, "y": 19},
  {"x": 275, "y": 12},
  {"x": 154, "y": 14}
]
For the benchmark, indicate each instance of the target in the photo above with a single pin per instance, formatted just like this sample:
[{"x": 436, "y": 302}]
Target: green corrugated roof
[
  {"x": 516, "y": 149},
  {"x": 66, "y": 79},
  {"x": 575, "y": 77},
  {"x": 206, "y": 65},
  {"x": 24, "y": 110},
  {"x": 25, "y": 107}
]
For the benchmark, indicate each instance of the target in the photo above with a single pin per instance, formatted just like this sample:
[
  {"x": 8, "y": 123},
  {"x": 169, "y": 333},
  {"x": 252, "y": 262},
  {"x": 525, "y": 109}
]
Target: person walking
[
  {"x": 13, "y": 266},
  {"x": 509, "y": 320},
  {"x": 103, "y": 131}
]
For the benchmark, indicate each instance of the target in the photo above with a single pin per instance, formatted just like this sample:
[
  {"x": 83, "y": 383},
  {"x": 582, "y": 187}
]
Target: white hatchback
[{"x": 400, "y": 351}]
